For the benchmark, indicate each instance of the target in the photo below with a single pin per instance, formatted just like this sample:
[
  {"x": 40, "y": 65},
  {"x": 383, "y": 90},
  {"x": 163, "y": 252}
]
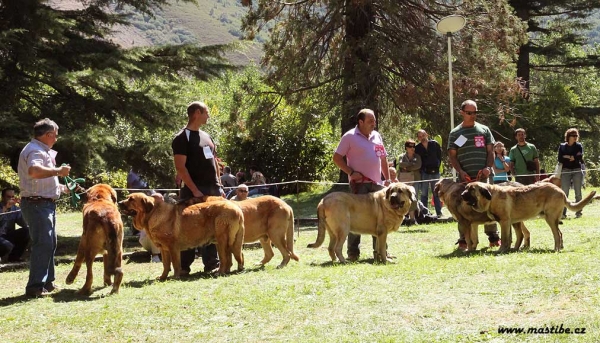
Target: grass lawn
[{"x": 431, "y": 293}]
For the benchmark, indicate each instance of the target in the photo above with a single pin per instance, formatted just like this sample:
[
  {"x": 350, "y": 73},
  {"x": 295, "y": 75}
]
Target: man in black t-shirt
[{"x": 194, "y": 155}]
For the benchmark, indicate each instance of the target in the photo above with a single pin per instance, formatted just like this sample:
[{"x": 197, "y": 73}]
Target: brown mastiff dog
[
  {"x": 268, "y": 219},
  {"x": 374, "y": 214},
  {"x": 469, "y": 219},
  {"x": 508, "y": 205},
  {"x": 102, "y": 233},
  {"x": 176, "y": 227}
]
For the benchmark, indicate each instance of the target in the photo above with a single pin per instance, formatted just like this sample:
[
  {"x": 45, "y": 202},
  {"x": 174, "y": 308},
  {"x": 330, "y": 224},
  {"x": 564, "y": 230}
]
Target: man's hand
[
  {"x": 64, "y": 170},
  {"x": 356, "y": 176},
  {"x": 485, "y": 172}
]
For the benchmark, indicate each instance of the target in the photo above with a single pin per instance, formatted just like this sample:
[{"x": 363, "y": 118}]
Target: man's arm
[
  {"x": 41, "y": 172},
  {"x": 452, "y": 156},
  {"x": 340, "y": 163},
  {"x": 490, "y": 155},
  {"x": 185, "y": 175},
  {"x": 385, "y": 169},
  {"x": 537, "y": 168}
]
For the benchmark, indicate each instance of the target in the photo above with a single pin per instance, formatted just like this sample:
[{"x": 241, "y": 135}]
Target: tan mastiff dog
[
  {"x": 176, "y": 227},
  {"x": 508, "y": 205},
  {"x": 469, "y": 219},
  {"x": 268, "y": 219},
  {"x": 102, "y": 234},
  {"x": 374, "y": 214}
]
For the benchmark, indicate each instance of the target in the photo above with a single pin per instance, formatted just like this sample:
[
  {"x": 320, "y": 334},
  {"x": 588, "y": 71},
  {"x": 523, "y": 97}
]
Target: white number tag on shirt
[
  {"x": 460, "y": 141},
  {"x": 207, "y": 152}
]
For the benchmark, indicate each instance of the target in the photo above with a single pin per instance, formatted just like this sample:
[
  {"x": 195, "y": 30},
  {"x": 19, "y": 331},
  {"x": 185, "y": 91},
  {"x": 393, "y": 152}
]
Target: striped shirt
[
  {"x": 472, "y": 155},
  {"x": 36, "y": 153}
]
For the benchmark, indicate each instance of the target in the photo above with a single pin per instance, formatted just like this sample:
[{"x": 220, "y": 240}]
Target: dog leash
[
  {"x": 72, "y": 185},
  {"x": 477, "y": 178}
]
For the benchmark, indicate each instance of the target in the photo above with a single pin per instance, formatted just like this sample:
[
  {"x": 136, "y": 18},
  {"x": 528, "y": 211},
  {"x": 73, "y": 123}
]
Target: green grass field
[{"x": 431, "y": 293}]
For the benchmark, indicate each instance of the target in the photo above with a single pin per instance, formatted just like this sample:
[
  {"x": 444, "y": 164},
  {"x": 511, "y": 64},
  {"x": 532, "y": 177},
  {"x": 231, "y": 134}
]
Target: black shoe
[
  {"x": 51, "y": 287},
  {"x": 37, "y": 293},
  {"x": 211, "y": 267}
]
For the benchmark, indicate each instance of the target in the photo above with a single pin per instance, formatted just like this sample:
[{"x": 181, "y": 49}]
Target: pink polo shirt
[{"x": 363, "y": 154}]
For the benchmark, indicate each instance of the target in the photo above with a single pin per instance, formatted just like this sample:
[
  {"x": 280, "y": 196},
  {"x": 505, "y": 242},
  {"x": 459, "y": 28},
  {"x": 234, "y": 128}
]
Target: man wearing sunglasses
[
  {"x": 471, "y": 153},
  {"x": 241, "y": 193}
]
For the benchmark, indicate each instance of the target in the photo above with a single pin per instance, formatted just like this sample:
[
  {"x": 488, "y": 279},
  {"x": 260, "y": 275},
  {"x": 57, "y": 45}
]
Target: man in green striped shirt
[{"x": 471, "y": 153}]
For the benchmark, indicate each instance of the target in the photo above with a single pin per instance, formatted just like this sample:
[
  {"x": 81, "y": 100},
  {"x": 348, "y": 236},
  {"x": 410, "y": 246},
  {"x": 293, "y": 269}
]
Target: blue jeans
[
  {"x": 40, "y": 216},
  {"x": 568, "y": 175},
  {"x": 431, "y": 180}
]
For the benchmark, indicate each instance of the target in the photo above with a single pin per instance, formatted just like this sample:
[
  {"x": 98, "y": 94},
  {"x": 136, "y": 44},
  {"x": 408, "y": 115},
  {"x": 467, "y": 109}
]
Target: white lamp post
[{"x": 448, "y": 25}]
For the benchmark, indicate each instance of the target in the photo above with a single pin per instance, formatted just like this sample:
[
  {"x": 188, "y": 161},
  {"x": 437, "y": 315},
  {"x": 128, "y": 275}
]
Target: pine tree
[
  {"x": 553, "y": 27},
  {"x": 61, "y": 64},
  {"x": 385, "y": 54}
]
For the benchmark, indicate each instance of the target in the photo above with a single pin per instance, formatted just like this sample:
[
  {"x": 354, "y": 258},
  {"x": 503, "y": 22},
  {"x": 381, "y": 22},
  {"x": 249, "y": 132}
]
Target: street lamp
[{"x": 448, "y": 25}]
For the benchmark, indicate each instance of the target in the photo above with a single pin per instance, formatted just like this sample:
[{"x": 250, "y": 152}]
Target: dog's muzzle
[
  {"x": 395, "y": 201},
  {"x": 126, "y": 211},
  {"x": 468, "y": 198}
]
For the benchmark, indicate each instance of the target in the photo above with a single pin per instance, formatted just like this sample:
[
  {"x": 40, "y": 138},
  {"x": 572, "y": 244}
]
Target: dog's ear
[
  {"x": 485, "y": 192},
  {"x": 412, "y": 192},
  {"x": 148, "y": 203},
  {"x": 113, "y": 195},
  {"x": 388, "y": 193}
]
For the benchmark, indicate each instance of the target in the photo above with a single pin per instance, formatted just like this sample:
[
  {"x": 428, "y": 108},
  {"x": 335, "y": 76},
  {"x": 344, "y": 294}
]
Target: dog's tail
[
  {"x": 322, "y": 226},
  {"x": 290, "y": 237},
  {"x": 578, "y": 206}
]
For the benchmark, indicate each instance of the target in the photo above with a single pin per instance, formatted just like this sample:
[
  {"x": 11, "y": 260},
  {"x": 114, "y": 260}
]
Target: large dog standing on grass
[
  {"x": 102, "y": 233},
  {"x": 508, "y": 205},
  {"x": 374, "y": 214},
  {"x": 268, "y": 219},
  {"x": 468, "y": 219},
  {"x": 176, "y": 227}
]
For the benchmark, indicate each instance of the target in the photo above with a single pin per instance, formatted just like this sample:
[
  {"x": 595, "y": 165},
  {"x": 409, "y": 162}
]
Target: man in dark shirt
[
  {"x": 13, "y": 241},
  {"x": 195, "y": 162},
  {"x": 431, "y": 158}
]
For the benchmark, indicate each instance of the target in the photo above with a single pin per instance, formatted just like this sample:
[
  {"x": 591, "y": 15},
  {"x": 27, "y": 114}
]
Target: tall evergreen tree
[
  {"x": 61, "y": 64},
  {"x": 553, "y": 26},
  {"x": 385, "y": 54}
]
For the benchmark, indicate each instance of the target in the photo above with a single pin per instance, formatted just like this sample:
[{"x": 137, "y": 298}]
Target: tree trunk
[
  {"x": 523, "y": 66},
  {"x": 360, "y": 71}
]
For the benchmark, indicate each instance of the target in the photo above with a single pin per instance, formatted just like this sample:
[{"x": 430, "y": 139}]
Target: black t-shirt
[{"x": 195, "y": 145}]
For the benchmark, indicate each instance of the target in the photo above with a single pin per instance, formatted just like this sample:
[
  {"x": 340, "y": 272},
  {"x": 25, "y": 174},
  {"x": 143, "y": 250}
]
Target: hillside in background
[{"x": 208, "y": 22}]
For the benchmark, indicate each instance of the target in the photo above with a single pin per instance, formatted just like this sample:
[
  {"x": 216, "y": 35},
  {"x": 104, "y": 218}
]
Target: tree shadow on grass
[
  {"x": 495, "y": 252},
  {"x": 62, "y": 296},
  {"x": 408, "y": 230},
  {"x": 330, "y": 264}
]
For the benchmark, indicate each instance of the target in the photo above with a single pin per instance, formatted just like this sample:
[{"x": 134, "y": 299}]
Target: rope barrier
[{"x": 324, "y": 183}]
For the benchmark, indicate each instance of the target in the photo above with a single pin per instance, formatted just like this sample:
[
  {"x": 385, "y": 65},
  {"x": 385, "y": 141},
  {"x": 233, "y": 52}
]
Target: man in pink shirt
[{"x": 366, "y": 160}]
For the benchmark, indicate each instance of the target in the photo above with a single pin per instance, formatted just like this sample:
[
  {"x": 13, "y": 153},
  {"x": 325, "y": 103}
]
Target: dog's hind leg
[
  {"x": 331, "y": 247},
  {"x": 518, "y": 228},
  {"x": 553, "y": 223},
  {"x": 89, "y": 276},
  {"x": 117, "y": 257},
  {"x": 265, "y": 242},
  {"x": 78, "y": 261},
  {"x": 339, "y": 244}
]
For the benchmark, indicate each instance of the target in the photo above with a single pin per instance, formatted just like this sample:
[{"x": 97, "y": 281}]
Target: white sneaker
[{"x": 156, "y": 259}]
